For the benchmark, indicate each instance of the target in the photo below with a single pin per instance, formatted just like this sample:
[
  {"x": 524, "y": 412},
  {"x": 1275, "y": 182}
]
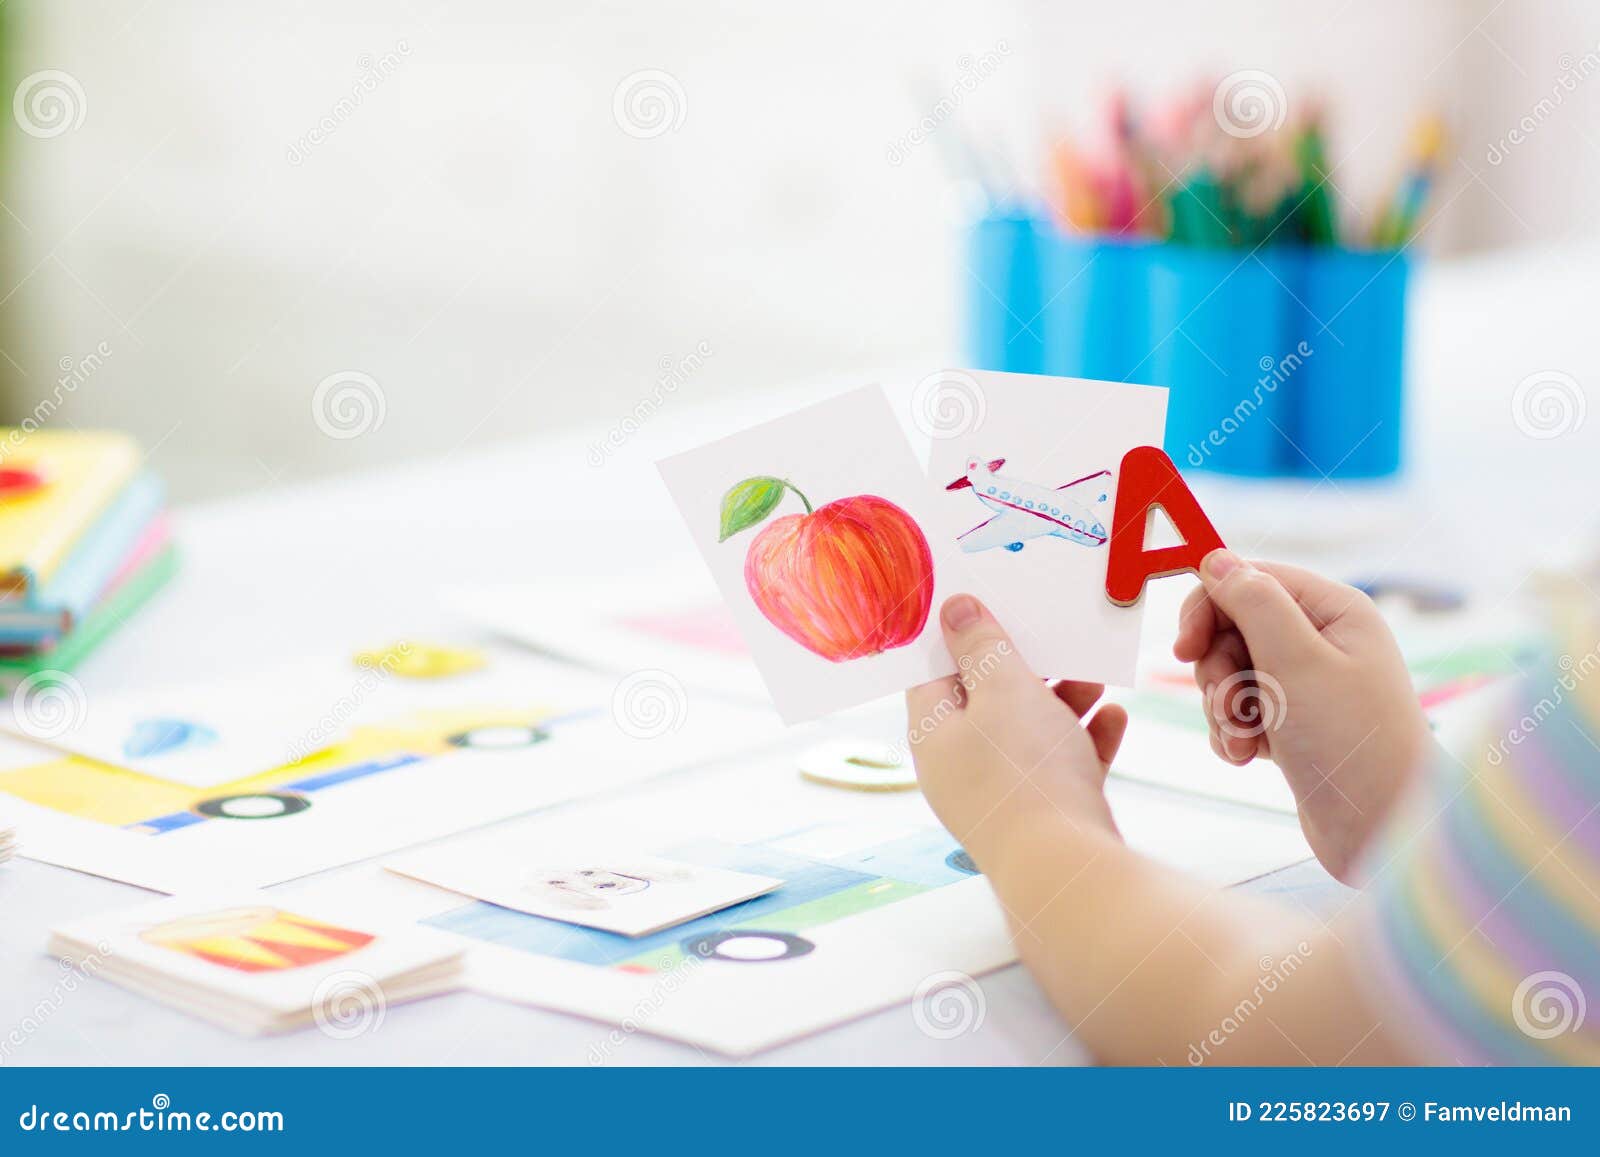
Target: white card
[
  {"x": 440, "y": 756},
  {"x": 830, "y": 548},
  {"x": 208, "y": 734},
  {"x": 615, "y": 892},
  {"x": 677, "y": 622},
  {"x": 247, "y": 946},
  {"x": 200, "y": 734},
  {"x": 1031, "y": 476}
]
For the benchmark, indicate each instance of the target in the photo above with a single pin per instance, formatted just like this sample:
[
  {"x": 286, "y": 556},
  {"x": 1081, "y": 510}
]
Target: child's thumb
[
  {"x": 986, "y": 660},
  {"x": 1274, "y": 626}
]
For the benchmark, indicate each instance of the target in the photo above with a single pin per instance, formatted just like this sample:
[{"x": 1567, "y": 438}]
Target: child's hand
[
  {"x": 995, "y": 745},
  {"x": 1305, "y": 672}
]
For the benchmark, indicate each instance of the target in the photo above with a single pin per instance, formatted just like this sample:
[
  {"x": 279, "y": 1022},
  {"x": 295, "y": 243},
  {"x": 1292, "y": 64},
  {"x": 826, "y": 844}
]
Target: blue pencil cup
[
  {"x": 1092, "y": 309},
  {"x": 1217, "y": 325},
  {"x": 1280, "y": 362},
  {"x": 1349, "y": 418},
  {"x": 1003, "y": 328}
]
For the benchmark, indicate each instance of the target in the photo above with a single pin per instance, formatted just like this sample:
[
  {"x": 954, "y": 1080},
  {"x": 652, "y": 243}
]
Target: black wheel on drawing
[
  {"x": 756, "y": 946},
  {"x": 255, "y": 805},
  {"x": 499, "y": 737}
]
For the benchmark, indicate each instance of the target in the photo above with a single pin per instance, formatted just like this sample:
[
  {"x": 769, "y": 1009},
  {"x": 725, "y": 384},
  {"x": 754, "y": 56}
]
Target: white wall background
[
  {"x": 482, "y": 238},
  {"x": 1485, "y": 64}
]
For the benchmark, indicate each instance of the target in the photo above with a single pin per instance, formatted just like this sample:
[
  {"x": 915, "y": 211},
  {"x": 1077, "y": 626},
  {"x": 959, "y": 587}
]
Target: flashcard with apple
[
  {"x": 830, "y": 548},
  {"x": 1034, "y": 481}
]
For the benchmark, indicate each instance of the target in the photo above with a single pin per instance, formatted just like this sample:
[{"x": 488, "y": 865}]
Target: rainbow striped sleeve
[{"x": 1483, "y": 910}]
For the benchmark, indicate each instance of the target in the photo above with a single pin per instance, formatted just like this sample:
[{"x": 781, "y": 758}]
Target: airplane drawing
[{"x": 1025, "y": 510}]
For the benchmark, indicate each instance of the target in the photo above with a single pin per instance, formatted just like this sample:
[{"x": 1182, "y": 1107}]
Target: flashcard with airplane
[{"x": 1033, "y": 482}]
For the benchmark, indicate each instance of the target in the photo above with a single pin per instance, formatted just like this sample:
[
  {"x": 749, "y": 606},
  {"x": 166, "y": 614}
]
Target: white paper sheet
[
  {"x": 1032, "y": 482},
  {"x": 195, "y": 734},
  {"x": 454, "y": 755},
  {"x": 676, "y": 622},
  {"x": 879, "y": 904}
]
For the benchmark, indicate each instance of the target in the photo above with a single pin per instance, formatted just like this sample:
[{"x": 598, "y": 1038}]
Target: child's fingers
[
  {"x": 1219, "y": 747},
  {"x": 1078, "y": 697},
  {"x": 1280, "y": 635},
  {"x": 1229, "y": 742},
  {"x": 1323, "y": 600},
  {"x": 988, "y": 666},
  {"x": 926, "y": 697},
  {"x": 1107, "y": 728},
  {"x": 928, "y": 703},
  {"x": 1240, "y": 749},
  {"x": 1220, "y": 666},
  {"x": 1226, "y": 702},
  {"x": 1198, "y": 623}
]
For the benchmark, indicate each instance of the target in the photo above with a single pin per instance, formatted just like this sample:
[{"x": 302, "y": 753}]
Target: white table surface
[{"x": 362, "y": 559}]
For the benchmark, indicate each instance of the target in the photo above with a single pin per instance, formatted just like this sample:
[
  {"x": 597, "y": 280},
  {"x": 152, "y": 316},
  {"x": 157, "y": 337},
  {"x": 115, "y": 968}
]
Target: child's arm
[
  {"x": 1146, "y": 966},
  {"x": 1304, "y": 671}
]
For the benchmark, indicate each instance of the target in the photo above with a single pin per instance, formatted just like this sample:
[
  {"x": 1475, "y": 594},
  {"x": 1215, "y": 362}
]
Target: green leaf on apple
[{"x": 747, "y": 503}]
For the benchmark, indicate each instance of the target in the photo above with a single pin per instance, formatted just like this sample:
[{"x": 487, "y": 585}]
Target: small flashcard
[
  {"x": 198, "y": 735},
  {"x": 255, "y": 963},
  {"x": 629, "y": 894},
  {"x": 830, "y": 549},
  {"x": 858, "y": 764},
  {"x": 1031, "y": 474}
]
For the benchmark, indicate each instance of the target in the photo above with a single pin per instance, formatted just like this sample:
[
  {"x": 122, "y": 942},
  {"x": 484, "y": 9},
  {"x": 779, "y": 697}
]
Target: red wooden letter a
[{"x": 1148, "y": 479}]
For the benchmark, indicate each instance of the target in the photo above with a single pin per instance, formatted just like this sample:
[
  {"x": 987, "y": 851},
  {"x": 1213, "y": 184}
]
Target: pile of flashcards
[
  {"x": 247, "y": 964},
  {"x": 833, "y": 548},
  {"x": 84, "y": 543}
]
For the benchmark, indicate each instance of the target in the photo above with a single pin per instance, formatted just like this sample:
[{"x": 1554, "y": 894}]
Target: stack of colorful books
[{"x": 84, "y": 542}]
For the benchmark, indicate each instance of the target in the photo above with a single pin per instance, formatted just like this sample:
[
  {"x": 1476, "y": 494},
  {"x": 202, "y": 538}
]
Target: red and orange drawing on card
[
  {"x": 257, "y": 939},
  {"x": 845, "y": 580}
]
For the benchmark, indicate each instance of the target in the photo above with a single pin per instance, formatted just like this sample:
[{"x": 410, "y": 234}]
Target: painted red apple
[{"x": 849, "y": 579}]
